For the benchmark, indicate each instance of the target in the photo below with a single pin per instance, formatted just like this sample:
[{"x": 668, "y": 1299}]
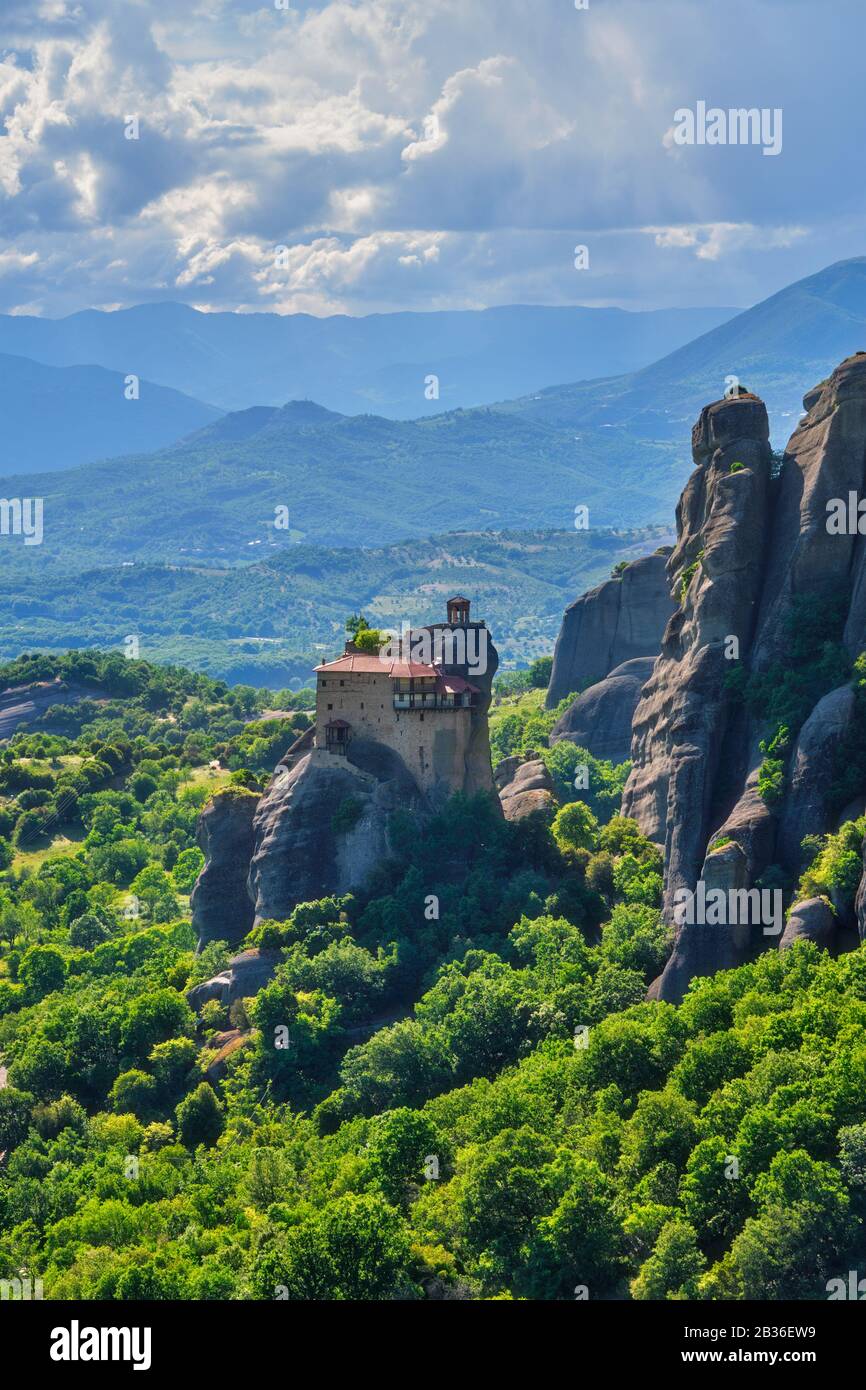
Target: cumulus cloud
[{"x": 419, "y": 153}]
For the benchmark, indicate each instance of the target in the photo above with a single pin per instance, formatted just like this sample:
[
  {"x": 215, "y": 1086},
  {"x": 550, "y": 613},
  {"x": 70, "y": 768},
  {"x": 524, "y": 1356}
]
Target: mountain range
[
  {"x": 378, "y": 363},
  {"x": 58, "y": 417},
  {"x": 616, "y": 445}
]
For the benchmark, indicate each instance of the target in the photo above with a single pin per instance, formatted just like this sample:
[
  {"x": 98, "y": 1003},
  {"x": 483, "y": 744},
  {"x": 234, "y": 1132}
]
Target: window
[{"x": 330, "y": 706}]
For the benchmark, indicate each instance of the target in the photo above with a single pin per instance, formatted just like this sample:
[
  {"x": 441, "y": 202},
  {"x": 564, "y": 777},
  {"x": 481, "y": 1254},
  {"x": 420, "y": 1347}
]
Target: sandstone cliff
[
  {"x": 323, "y": 825},
  {"x": 616, "y": 622},
  {"x": 221, "y": 908},
  {"x": 754, "y": 562}
]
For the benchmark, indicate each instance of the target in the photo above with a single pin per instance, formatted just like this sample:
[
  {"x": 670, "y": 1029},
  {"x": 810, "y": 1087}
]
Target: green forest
[
  {"x": 452, "y": 1088},
  {"x": 268, "y": 620}
]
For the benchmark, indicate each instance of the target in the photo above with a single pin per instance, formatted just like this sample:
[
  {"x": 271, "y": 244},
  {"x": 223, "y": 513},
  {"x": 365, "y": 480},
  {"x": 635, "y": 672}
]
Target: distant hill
[
  {"x": 620, "y": 446},
  {"x": 376, "y": 364},
  {"x": 58, "y": 417},
  {"x": 269, "y": 622},
  {"x": 779, "y": 349}
]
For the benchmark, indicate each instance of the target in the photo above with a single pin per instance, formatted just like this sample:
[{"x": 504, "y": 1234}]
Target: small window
[
  {"x": 324, "y": 683},
  {"x": 342, "y": 682},
  {"x": 330, "y": 706}
]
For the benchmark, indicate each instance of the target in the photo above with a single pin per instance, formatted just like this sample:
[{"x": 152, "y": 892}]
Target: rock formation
[
  {"x": 221, "y": 908},
  {"x": 528, "y": 789},
  {"x": 812, "y": 920},
  {"x": 323, "y": 821},
  {"x": 618, "y": 621},
  {"x": 600, "y": 719},
  {"x": 246, "y": 974},
  {"x": 323, "y": 824},
  {"x": 750, "y": 548}
]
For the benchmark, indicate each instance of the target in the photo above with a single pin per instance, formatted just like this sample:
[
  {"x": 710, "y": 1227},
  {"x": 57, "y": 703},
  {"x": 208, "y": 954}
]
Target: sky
[{"x": 378, "y": 155}]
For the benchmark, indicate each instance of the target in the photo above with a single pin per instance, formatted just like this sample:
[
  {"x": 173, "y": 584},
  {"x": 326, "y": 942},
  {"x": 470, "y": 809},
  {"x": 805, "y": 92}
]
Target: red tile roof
[
  {"x": 367, "y": 663},
  {"x": 455, "y": 685}
]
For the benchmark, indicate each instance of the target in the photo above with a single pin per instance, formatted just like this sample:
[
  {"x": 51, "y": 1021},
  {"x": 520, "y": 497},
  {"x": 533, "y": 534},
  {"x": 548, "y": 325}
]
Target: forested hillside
[
  {"x": 269, "y": 621},
  {"x": 452, "y": 1086}
]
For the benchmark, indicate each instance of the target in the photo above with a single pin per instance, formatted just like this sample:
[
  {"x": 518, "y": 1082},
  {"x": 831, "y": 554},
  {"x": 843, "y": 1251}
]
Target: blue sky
[{"x": 420, "y": 154}]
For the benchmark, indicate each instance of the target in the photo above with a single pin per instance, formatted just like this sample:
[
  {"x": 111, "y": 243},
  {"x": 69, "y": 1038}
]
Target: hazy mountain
[
  {"x": 779, "y": 348},
  {"x": 378, "y": 363},
  {"x": 57, "y": 417},
  {"x": 619, "y": 446}
]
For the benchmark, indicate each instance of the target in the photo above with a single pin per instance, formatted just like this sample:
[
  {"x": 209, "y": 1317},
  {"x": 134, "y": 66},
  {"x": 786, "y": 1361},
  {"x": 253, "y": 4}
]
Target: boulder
[
  {"x": 618, "y": 621},
  {"x": 221, "y": 906},
  {"x": 811, "y": 920},
  {"x": 600, "y": 719},
  {"x": 530, "y": 790},
  {"x": 217, "y": 987},
  {"x": 247, "y": 973},
  {"x": 505, "y": 769},
  {"x": 250, "y": 971}
]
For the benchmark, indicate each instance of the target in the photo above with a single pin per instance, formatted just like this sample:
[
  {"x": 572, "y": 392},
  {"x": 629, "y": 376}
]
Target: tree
[
  {"x": 575, "y": 827},
  {"x": 200, "y": 1118},
  {"x": 674, "y": 1267},
  {"x": 172, "y": 1062},
  {"x": 356, "y": 1248},
  {"x": 87, "y": 931},
  {"x": 155, "y": 891},
  {"x": 42, "y": 971},
  {"x": 187, "y": 868},
  {"x": 369, "y": 639},
  {"x": 539, "y": 672},
  {"x": 581, "y": 1241},
  {"x": 400, "y": 1143},
  {"x": 15, "y": 1110},
  {"x": 134, "y": 1092}
]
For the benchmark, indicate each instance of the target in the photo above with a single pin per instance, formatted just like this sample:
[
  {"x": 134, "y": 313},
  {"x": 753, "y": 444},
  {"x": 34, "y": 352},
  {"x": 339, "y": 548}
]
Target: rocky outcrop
[
  {"x": 812, "y": 920},
  {"x": 824, "y": 460},
  {"x": 805, "y": 810},
  {"x": 322, "y": 825},
  {"x": 681, "y": 720},
  {"x": 245, "y": 975},
  {"x": 221, "y": 908},
  {"x": 754, "y": 552},
  {"x": 530, "y": 790},
  {"x": 600, "y": 719},
  {"x": 616, "y": 622}
]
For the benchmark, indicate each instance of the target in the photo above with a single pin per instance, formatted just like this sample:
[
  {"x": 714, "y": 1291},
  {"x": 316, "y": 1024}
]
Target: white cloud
[
  {"x": 714, "y": 240},
  {"x": 400, "y": 148}
]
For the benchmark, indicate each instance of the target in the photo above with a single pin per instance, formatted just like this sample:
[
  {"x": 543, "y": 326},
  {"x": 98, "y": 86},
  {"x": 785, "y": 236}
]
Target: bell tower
[{"x": 458, "y": 611}]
